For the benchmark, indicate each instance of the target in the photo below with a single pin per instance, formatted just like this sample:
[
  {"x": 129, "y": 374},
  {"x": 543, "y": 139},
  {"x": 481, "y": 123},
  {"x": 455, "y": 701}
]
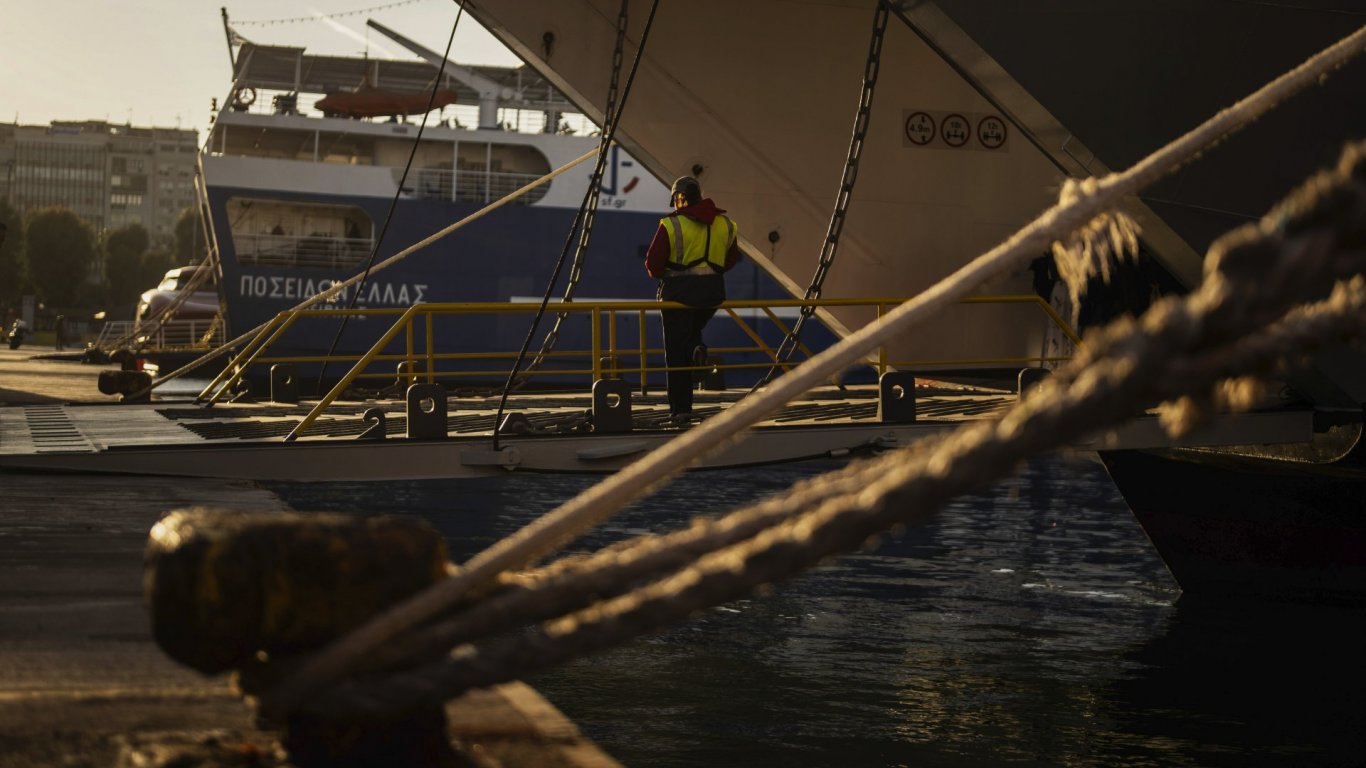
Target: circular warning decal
[
  {"x": 919, "y": 128},
  {"x": 991, "y": 131},
  {"x": 955, "y": 130}
]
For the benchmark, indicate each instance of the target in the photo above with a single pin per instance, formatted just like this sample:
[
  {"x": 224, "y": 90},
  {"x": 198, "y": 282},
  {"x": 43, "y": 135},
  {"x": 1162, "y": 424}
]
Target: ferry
[{"x": 318, "y": 167}]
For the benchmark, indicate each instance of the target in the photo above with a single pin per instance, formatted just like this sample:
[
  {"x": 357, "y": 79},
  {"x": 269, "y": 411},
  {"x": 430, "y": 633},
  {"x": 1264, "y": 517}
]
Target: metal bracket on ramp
[
  {"x": 611, "y": 451},
  {"x": 507, "y": 458}
]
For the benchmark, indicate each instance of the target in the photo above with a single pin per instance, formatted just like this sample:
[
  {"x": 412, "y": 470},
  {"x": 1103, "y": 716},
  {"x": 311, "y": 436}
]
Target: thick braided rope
[
  {"x": 635, "y": 481},
  {"x": 576, "y": 582},
  {"x": 1235, "y": 323},
  {"x": 900, "y": 490}
]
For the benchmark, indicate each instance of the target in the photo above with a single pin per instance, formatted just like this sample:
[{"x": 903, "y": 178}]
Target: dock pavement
[{"x": 81, "y": 681}]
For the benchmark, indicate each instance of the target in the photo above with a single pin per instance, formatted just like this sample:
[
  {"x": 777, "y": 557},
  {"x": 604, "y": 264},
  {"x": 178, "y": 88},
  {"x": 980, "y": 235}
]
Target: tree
[
  {"x": 124, "y": 249},
  {"x": 155, "y": 265},
  {"x": 189, "y": 238},
  {"x": 61, "y": 250},
  {"x": 11, "y": 255}
]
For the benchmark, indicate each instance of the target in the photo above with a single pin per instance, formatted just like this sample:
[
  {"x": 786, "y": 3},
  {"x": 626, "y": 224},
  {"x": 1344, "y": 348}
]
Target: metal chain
[
  {"x": 584, "y": 216},
  {"x": 590, "y": 209},
  {"x": 832, "y": 236}
]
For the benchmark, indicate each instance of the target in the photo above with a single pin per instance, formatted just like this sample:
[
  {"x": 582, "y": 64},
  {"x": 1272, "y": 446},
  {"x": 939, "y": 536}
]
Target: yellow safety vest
[{"x": 690, "y": 244}]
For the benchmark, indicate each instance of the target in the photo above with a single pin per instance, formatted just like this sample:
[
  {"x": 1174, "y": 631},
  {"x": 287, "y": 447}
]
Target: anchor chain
[
  {"x": 584, "y": 217},
  {"x": 589, "y": 212},
  {"x": 791, "y": 341}
]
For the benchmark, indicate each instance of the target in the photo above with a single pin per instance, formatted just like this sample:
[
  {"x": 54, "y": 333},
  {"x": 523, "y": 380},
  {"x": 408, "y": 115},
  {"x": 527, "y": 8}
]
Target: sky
[{"x": 160, "y": 62}]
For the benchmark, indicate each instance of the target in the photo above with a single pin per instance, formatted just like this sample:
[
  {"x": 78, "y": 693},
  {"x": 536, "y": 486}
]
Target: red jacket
[{"x": 657, "y": 258}]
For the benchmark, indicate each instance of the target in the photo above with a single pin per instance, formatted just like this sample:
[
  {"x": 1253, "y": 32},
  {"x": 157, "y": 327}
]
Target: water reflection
[{"x": 1031, "y": 624}]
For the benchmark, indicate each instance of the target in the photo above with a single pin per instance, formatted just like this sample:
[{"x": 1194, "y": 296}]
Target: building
[{"x": 108, "y": 175}]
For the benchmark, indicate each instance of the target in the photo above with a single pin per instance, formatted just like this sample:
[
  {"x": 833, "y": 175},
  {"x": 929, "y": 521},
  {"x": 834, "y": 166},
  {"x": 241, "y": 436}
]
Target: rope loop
[{"x": 1097, "y": 247}]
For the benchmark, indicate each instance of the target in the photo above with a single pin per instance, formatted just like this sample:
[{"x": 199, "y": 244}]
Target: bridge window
[{"x": 287, "y": 234}]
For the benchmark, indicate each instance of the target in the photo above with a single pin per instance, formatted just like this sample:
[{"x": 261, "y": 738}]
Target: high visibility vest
[{"x": 691, "y": 242}]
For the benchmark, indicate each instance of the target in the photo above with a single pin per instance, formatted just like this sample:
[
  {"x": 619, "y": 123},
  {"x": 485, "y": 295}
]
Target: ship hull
[
  {"x": 508, "y": 256},
  {"x": 1236, "y": 525}
]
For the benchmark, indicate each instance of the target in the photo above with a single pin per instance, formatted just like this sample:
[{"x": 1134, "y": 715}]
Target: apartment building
[{"x": 108, "y": 175}]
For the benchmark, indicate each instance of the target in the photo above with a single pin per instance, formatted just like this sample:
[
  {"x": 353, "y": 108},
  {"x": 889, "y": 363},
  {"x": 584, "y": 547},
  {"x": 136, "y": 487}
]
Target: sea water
[{"x": 1031, "y": 623}]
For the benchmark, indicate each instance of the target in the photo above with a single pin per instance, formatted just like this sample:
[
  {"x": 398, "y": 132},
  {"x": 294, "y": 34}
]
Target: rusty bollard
[{"x": 251, "y": 592}]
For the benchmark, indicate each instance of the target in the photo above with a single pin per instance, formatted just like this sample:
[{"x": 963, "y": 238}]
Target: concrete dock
[{"x": 81, "y": 681}]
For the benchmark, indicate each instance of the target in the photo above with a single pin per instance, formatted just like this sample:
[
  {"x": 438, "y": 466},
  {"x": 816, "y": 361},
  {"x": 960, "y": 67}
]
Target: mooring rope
[
  {"x": 1092, "y": 197},
  {"x": 1236, "y": 323}
]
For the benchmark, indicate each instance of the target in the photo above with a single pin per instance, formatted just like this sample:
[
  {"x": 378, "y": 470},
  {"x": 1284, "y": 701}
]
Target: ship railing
[
  {"x": 313, "y": 251},
  {"x": 610, "y": 353},
  {"x": 472, "y": 186},
  {"x": 171, "y": 335}
]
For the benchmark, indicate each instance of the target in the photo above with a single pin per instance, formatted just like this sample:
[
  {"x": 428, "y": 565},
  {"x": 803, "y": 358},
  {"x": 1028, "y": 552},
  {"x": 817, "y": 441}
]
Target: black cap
[{"x": 688, "y": 187}]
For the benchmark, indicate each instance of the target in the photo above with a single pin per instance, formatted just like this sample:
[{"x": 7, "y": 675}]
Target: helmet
[{"x": 688, "y": 187}]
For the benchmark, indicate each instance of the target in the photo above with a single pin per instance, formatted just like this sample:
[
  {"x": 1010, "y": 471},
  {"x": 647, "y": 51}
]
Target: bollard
[
  {"x": 254, "y": 592},
  {"x": 896, "y": 397},
  {"x": 426, "y": 412},
  {"x": 1028, "y": 379},
  {"x": 137, "y": 387},
  {"x": 284, "y": 383},
  {"x": 611, "y": 406},
  {"x": 126, "y": 383}
]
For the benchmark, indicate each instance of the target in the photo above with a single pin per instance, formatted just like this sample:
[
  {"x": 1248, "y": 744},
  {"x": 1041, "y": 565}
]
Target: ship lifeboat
[{"x": 377, "y": 102}]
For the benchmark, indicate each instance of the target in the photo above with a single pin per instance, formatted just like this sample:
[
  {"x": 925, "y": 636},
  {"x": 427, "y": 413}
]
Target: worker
[{"x": 691, "y": 250}]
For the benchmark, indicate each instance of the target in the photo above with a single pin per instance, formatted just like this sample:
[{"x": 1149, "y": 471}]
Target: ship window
[
  {"x": 485, "y": 172},
  {"x": 278, "y": 233}
]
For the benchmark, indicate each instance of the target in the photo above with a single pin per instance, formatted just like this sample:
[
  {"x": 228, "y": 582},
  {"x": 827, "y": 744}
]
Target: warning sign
[
  {"x": 935, "y": 129},
  {"x": 991, "y": 131},
  {"x": 920, "y": 128},
  {"x": 955, "y": 131}
]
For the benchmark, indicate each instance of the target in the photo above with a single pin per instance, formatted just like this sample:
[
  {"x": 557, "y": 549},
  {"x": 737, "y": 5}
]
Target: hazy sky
[{"x": 159, "y": 62}]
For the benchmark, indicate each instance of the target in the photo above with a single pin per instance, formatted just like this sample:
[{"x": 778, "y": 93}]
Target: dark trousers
[
  {"x": 682, "y": 334},
  {"x": 683, "y": 329}
]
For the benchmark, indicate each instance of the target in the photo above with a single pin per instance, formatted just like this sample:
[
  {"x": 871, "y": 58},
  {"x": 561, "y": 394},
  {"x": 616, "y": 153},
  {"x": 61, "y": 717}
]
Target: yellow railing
[{"x": 603, "y": 359}]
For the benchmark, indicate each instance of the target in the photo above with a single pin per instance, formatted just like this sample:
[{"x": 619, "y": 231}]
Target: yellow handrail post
[
  {"x": 409, "y": 376},
  {"x": 350, "y": 376},
  {"x": 882, "y": 348},
  {"x": 597, "y": 342},
  {"x": 644, "y": 355},
  {"x": 612, "y": 343},
  {"x": 431, "y": 351}
]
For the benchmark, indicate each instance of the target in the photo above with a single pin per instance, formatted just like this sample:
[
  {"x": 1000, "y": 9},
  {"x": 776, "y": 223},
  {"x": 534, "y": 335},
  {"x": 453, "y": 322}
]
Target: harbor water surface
[{"x": 1029, "y": 624}]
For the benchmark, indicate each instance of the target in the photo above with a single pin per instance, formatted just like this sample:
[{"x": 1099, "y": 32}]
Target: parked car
[{"x": 201, "y": 305}]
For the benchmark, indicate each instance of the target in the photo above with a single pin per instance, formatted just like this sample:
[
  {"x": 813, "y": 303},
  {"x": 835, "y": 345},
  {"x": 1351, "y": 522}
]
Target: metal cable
[
  {"x": 393, "y": 203},
  {"x": 590, "y": 208},
  {"x": 585, "y": 213},
  {"x": 830, "y": 246}
]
